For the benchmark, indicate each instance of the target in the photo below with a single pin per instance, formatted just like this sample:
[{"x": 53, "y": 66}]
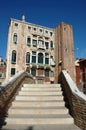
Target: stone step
[
  {"x": 40, "y": 89},
  {"x": 41, "y": 85},
  {"x": 40, "y": 93},
  {"x": 38, "y": 111},
  {"x": 33, "y": 121},
  {"x": 39, "y": 116},
  {"x": 39, "y": 98},
  {"x": 41, "y": 127},
  {"x": 37, "y": 104}
]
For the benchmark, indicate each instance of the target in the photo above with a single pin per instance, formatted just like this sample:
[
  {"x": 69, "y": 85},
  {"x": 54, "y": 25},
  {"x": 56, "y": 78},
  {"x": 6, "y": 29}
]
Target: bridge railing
[
  {"x": 75, "y": 100},
  {"x": 9, "y": 89}
]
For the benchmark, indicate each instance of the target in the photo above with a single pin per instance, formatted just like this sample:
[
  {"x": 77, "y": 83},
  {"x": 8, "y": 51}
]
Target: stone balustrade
[{"x": 74, "y": 99}]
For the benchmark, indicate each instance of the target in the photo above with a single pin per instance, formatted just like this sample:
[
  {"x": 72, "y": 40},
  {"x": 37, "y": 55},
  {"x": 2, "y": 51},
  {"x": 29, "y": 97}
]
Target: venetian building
[{"x": 43, "y": 51}]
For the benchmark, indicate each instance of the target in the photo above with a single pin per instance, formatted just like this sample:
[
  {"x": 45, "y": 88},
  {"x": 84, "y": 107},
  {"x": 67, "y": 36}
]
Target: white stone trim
[{"x": 73, "y": 86}]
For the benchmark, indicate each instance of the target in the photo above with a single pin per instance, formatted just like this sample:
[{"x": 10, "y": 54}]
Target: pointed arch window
[
  {"x": 40, "y": 58},
  {"x": 13, "y": 56},
  {"x": 27, "y": 58},
  {"x": 15, "y": 38}
]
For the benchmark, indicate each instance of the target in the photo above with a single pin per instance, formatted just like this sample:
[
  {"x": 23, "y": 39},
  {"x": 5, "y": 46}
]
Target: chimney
[{"x": 23, "y": 18}]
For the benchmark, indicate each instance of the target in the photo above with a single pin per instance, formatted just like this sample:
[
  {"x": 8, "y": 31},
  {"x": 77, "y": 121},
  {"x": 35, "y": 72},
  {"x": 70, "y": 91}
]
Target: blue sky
[{"x": 47, "y": 13}]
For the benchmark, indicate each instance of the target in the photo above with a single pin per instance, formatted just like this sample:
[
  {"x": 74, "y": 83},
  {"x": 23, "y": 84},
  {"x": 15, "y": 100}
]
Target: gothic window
[
  {"x": 27, "y": 58},
  {"x": 46, "y": 58},
  {"x": 13, "y": 56},
  {"x": 33, "y": 57},
  {"x": 15, "y": 38},
  {"x": 40, "y": 58}
]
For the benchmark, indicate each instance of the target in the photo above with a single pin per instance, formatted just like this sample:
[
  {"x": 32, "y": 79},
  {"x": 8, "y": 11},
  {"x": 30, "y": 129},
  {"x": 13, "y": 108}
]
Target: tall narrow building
[{"x": 43, "y": 51}]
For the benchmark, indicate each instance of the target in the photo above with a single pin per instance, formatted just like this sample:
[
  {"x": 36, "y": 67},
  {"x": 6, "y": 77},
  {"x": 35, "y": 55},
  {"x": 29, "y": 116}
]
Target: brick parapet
[
  {"x": 9, "y": 90},
  {"x": 74, "y": 100}
]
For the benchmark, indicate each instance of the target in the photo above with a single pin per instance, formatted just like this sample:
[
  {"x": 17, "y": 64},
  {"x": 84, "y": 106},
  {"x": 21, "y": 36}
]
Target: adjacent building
[
  {"x": 40, "y": 50},
  {"x": 81, "y": 74},
  {"x": 2, "y": 70}
]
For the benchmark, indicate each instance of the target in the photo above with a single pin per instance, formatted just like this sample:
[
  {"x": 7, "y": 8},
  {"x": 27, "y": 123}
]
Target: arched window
[
  {"x": 13, "y": 56},
  {"x": 40, "y": 58},
  {"x": 27, "y": 58},
  {"x": 46, "y": 58},
  {"x": 15, "y": 38}
]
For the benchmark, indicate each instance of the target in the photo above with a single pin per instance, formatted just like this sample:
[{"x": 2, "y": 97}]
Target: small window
[
  {"x": 12, "y": 71},
  {"x": 15, "y": 38},
  {"x": 46, "y": 38},
  {"x": 51, "y": 33},
  {"x": 33, "y": 71},
  {"x": 29, "y": 27},
  {"x": 64, "y": 28},
  {"x": 46, "y": 73},
  {"x": 46, "y": 31},
  {"x": 34, "y": 29},
  {"x": 40, "y": 30},
  {"x": 13, "y": 56},
  {"x": 16, "y": 24},
  {"x": 35, "y": 36}
]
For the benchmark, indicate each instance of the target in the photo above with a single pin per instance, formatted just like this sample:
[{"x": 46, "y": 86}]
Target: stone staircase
[{"x": 39, "y": 107}]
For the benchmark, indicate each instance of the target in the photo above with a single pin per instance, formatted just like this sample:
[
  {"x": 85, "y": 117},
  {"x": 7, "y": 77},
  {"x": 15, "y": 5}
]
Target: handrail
[{"x": 74, "y": 99}]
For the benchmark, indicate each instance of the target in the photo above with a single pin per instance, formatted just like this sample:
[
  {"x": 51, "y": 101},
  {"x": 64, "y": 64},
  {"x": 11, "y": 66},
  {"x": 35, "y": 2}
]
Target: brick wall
[
  {"x": 78, "y": 75},
  {"x": 74, "y": 100},
  {"x": 9, "y": 90}
]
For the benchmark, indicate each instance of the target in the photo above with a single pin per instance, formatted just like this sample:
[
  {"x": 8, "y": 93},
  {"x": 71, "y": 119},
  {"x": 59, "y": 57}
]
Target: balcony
[{"x": 41, "y": 47}]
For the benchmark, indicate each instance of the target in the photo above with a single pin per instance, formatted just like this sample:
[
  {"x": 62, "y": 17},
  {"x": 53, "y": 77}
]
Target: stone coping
[{"x": 73, "y": 86}]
